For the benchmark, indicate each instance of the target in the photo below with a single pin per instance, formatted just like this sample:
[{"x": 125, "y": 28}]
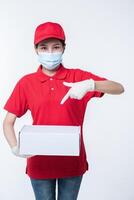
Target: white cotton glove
[
  {"x": 15, "y": 151},
  {"x": 78, "y": 89}
]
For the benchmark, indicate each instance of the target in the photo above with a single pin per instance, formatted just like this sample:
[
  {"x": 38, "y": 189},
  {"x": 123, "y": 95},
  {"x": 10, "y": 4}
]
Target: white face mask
[{"x": 50, "y": 60}]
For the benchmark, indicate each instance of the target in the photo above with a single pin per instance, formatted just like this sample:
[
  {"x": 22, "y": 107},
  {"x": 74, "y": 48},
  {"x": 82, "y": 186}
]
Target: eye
[
  {"x": 42, "y": 48},
  {"x": 57, "y": 47}
]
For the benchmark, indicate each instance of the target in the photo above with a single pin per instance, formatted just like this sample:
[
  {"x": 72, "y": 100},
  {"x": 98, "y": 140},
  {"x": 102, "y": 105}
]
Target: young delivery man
[{"x": 55, "y": 95}]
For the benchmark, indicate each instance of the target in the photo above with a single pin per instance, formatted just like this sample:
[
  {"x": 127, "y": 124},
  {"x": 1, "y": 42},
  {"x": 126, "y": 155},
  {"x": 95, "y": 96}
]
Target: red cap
[{"x": 48, "y": 30}]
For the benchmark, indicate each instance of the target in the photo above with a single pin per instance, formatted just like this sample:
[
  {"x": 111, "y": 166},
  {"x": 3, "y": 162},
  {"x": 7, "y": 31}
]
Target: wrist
[
  {"x": 15, "y": 150},
  {"x": 91, "y": 85}
]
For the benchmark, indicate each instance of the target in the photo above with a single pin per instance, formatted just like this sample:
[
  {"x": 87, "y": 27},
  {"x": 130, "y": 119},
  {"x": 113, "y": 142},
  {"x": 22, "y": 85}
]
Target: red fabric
[
  {"x": 48, "y": 30},
  {"x": 34, "y": 92}
]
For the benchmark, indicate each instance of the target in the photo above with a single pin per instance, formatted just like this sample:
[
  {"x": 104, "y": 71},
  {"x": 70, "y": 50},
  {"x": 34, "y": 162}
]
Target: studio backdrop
[{"x": 99, "y": 39}]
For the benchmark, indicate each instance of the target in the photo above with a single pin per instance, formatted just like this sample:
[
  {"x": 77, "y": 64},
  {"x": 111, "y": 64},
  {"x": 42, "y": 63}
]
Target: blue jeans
[{"x": 68, "y": 188}]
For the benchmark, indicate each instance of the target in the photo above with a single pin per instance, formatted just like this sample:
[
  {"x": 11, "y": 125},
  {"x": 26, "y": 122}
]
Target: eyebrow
[{"x": 44, "y": 44}]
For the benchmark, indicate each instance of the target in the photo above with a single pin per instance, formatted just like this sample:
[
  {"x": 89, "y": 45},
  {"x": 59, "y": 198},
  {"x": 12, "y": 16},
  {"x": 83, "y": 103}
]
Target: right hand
[{"x": 15, "y": 151}]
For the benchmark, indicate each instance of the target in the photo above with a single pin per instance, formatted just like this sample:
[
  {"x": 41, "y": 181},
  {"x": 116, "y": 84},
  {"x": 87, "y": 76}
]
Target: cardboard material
[{"x": 50, "y": 140}]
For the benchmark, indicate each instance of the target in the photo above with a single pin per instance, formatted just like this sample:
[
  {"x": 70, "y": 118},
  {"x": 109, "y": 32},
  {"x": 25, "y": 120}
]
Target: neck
[{"x": 49, "y": 72}]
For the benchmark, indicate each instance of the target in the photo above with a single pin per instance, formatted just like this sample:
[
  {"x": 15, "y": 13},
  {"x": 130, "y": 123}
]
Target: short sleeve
[
  {"x": 17, "y": 102},
  {"x": 89, "y": 75}
]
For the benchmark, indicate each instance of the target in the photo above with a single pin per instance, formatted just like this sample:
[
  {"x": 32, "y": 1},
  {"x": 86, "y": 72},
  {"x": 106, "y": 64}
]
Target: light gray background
[{"x": 99, "y": 39}]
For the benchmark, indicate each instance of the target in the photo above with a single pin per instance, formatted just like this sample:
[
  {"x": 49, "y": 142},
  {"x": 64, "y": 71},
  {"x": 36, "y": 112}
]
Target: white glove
[
  {"x": 78, "y": 89},
  {"x": 15, "y": 151}
]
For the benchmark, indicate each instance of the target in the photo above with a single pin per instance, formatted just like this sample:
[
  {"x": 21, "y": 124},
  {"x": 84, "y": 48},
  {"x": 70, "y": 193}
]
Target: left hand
[{"x": 78, "y": 89}]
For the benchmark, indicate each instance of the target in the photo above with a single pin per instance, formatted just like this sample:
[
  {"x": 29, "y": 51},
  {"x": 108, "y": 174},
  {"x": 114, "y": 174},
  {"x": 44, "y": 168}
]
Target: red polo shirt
[{"x": 42, "y": 94}]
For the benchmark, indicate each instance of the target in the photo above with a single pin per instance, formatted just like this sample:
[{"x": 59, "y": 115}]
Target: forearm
[
  {"x": 10, "y": 135},
  {"x": 9, "y": 132},
  {"x": 109, "y": 87}
]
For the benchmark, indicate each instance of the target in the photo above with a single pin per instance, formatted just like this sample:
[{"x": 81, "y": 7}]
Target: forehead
[{"x": 50, "y": 41}]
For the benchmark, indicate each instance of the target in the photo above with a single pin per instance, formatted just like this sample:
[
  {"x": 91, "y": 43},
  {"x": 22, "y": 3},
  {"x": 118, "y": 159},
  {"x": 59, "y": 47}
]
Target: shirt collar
[{"x": 60, "y": 74}]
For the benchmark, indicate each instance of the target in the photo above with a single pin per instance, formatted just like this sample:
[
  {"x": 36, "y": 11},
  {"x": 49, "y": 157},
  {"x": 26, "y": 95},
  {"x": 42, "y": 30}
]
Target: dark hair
[{"x": 63, "y": 43}]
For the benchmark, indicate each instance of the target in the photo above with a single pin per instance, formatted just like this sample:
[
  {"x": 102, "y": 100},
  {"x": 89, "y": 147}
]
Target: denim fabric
[{"x": 68, "y": 188}]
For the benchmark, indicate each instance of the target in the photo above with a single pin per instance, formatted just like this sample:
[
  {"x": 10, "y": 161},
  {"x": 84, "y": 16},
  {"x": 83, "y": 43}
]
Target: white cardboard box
[{"x": 49, "y": 140}]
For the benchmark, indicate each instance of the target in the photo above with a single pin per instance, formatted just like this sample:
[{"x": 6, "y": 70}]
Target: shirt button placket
[{"x": 52, "y": 88}]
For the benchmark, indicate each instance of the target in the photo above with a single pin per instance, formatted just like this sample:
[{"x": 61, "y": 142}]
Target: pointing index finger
[{"x": 65, "y": 97}]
